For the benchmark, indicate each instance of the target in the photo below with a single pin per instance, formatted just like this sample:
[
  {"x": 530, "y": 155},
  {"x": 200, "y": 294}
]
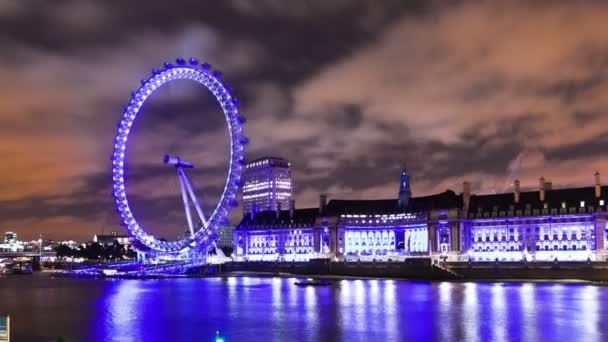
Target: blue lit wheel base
[{"x": 212, "y": 80}]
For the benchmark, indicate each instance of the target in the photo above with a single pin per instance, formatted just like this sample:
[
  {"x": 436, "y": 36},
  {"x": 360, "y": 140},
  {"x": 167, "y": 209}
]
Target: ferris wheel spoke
[
  {"x": 197, "y": 206},
  {"x": 183, "y": 186}
]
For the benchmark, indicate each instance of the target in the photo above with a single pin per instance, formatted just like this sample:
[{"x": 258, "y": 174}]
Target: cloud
[
  {"x": 474, "y": 85},
  {"x": 349, "y": 91},
  {"x": 60, "y": 110},
  {"x": 10, "y": 8}
]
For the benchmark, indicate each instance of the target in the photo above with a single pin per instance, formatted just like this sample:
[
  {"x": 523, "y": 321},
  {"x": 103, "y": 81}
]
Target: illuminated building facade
[
  {"x": 542, "y": 225},
  {"x": 267, "y": 184},
  {"x": 286, "y": 235},
  {"x": 10, "y": 237},
  {"x": 11, "y": 243}
]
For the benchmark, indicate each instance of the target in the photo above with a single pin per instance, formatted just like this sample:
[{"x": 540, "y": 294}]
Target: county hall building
[{"x": 542, "y": 225}]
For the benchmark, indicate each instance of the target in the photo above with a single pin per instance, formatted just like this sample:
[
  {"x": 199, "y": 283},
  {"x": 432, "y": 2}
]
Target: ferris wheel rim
[{"x": 212, "y": 80}]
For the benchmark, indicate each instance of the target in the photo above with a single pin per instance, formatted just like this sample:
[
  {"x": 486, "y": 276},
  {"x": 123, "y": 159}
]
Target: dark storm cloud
[
  {"x": 474, "y": 156},
  {"x": 583, "y": 118},
  {"x": 569, "y": 90},
  {"x": 431, "y": 161},
  {"x": 39, "y": 207},
  {"x": 592, "y": 148},
  {"x": 384, "y": 166},
  {"x": 347, "y": 116},
  {"x": 317, "y": 33},
  {"x": 91, "y": 200},
  {"x": 190, "y": 116},
  {"x": 87, "y": 202},
  {"x": 349, "y": 91},
  {"x": 484, "y": 88}
]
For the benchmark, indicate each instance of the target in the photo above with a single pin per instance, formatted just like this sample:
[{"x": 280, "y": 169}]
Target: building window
[
  {"x": 582, "y": 204},
  {"x": 563, "y": 205},
  {"x": 601, "y": 202}
]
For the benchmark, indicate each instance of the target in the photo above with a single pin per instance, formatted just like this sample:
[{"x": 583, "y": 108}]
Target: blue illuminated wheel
[{"x": 202, "y": 74}]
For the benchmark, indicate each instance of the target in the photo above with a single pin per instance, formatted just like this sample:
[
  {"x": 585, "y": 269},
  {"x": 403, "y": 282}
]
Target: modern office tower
[
  {"x": 267, "y": 185},
  {"x": 225, "y": 236}
]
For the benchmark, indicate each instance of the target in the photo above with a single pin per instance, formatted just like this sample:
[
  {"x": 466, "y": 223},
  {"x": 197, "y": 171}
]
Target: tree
[
  {"x": 93, "y": 251},
  {"x": 130, "y": 253},
  {"x": 64, "y": 251}
]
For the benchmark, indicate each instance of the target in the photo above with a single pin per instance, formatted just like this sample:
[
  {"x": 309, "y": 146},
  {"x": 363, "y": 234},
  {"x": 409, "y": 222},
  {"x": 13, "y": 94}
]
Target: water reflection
[
  {"x": 470, "y": 319},
  {"x": 391, "y": 325},
  {"x": 589, "y": 306},
  {"x": 499, "y": 313},
  {"x": 445, "y": 313},
  {"x": 527, "y": 304},
  {"x": 274, "y": 309},
  {"x": 122, "y": 308}
]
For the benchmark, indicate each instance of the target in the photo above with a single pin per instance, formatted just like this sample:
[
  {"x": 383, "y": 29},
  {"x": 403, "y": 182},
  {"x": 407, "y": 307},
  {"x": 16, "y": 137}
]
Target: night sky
[{"x": 348, "y": 91}]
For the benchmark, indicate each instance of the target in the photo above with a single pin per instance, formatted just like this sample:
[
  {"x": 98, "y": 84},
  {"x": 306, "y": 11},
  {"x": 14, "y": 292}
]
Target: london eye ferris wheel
[{"x": 201, "y": 235}]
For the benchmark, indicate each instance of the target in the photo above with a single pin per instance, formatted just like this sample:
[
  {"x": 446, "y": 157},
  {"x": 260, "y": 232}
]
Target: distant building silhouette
[{"x": 109, "y": 239}]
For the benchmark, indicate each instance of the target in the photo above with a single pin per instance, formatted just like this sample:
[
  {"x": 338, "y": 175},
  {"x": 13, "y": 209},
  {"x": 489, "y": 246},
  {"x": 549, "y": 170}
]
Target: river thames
[{"x": 274, "y": 309}]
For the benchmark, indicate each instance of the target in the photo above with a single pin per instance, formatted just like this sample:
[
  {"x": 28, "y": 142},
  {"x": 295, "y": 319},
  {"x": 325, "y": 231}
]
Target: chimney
[
  {"x": 598, "y": 185},
  {"x": 322, "y": 204},
  {"x": 278, "y": 211},
  {"x": 516, "y": 191},
  {"x": 292, "y": 208},
  {"x": 541, "y": 188},
  {"x": 466, "y": 195}
]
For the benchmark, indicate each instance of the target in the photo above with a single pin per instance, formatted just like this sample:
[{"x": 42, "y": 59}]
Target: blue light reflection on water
[{"x": 274, "y": 309}]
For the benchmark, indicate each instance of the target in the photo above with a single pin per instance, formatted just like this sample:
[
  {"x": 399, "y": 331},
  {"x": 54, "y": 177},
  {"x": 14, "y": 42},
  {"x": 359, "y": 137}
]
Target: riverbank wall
[{"x": 428, "y": 269}]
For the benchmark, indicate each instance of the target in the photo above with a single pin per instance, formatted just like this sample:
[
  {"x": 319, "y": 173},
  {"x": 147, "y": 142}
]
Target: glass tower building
[{"x": 267, "y": 184}]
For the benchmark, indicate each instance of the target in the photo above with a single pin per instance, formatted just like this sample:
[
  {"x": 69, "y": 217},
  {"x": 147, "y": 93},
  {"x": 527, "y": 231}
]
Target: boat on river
[{"x": 313, "y": 282}]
